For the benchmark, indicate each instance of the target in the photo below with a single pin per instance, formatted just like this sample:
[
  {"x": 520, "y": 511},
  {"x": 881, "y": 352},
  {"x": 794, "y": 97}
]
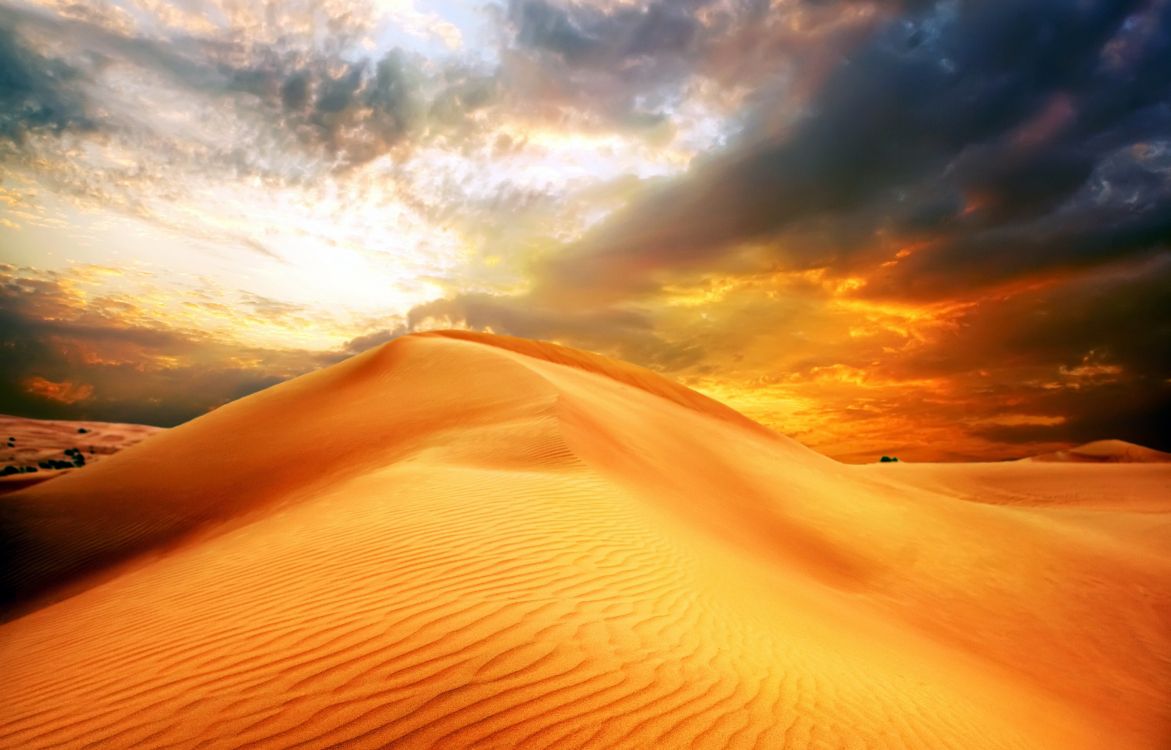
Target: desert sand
[
  {"x": 469, "y": 541},
  {"x": 1106, "y": 452},
  {"x": 27, "y": 444}
]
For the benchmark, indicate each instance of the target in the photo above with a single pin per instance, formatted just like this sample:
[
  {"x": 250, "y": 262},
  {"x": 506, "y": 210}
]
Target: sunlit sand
[
  {"x": 48, "y": 446},
  {"x": 472, "y": 541}
]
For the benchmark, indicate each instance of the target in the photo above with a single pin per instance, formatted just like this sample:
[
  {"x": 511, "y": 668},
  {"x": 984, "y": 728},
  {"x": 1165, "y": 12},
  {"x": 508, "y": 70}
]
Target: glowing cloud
[{"x": 864, "y": 223}]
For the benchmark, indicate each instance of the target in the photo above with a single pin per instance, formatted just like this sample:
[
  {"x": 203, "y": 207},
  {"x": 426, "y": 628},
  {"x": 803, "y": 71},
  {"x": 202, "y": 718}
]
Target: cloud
[
  {"x": 39, "y": 93},
  {"x": 64, "y": 392},
  {"x": 955, "y": 101},
  {"x": 1000, "y": 169},
  {"x": 1120, "y": 212},
  {"x": 66, "y": 354},
  {"x": 926, "y": 227},
  {"x": 586, "y": 35},
  {"x": 640, "y": 67},
  {"x": 338, "y": 103},
  {"x": 990, "y": 375},
  {"x": 1063, "y": 321},
  {"x": 623, "y": 333},
  {"x": 598, "y": 60},
  {"x": 1118, "y": 411}
]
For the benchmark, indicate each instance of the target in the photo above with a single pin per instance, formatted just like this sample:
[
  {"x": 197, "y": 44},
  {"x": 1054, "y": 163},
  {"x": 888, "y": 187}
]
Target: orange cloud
[{"x": 64, "y": 392}]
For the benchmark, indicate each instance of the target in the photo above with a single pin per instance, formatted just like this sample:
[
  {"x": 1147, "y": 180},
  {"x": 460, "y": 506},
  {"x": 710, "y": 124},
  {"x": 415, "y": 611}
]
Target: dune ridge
[
  {"x": 1106, "y": 451},
  {"x": 622, "y": 372},
  {"x": 470, "y": 541}
]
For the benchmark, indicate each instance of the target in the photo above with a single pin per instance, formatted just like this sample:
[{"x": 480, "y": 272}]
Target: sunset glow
[{"x": 825, "y": 215}]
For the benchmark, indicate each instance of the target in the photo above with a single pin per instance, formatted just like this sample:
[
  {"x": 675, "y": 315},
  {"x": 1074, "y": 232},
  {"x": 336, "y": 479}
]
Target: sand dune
[
  {"x": 1106, "y": 452},
  {"x": 26, "y": 445},
  {"x": 471, "y": 541}
]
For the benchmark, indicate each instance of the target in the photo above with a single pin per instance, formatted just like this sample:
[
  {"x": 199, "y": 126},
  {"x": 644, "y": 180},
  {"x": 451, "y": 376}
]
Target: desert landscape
[
  {"x": 464, "y": 540},
  {"x": 602, "y": 374},
  {"x": 33, "y": 450}
]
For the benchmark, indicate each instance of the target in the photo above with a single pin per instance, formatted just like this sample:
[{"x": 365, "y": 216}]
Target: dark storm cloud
[
  {"x": 1112, "y": 412},
  {"x": 629, "y": 66},
  {"x": 622, "y": 68},
  {"x": 662, "y": 41},
  {"x": 371, "y": 106},
  {"x": 1120, "y": 319},
  {"x": 1014, "y": 142},
  {"x": 38, "y": 93},
  {"x": 122, "y": 372},
  {"x": 1096, "y": 349},
  {"x": 1081, "y": 238},
  {"x": 586, "y": 35},
  {"x": 1126, "y": 414},
  {"x": 351, "y": 111},
  {"x": 1017, "y": 106}
]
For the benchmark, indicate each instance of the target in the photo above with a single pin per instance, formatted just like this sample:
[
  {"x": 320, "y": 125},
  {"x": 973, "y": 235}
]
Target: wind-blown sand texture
[
  {"x": 26, "y": 443},
  {"x": 470, "y": 541}
]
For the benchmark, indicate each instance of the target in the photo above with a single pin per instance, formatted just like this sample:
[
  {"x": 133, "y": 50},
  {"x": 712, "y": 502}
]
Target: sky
[{"x": 936, "y": 230}]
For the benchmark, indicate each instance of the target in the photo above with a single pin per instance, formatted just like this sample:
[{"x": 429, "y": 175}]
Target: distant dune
[
  {"x": 27, "y": 444},
  {"x": 1106, "y": 452},
  {"x": 460, "y": 540}
]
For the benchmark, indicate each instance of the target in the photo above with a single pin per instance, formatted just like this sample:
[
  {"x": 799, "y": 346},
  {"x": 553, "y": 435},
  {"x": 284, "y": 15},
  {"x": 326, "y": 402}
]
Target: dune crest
[
  {"x": 621, "y": 372},
  {"x": 461, "y": 540}
]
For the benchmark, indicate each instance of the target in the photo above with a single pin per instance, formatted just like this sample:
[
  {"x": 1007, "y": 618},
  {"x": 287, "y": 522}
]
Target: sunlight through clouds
[{"x": 725, "y": 192}]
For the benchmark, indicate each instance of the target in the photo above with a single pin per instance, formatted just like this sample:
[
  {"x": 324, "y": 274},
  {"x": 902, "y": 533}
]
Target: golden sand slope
[
  {"x": 479, "y": 542},
  {"x": 1106, "y": 451},
  {"x": 27, "y": 442}
]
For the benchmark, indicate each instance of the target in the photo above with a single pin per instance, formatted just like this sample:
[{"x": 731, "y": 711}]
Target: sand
[
  {"x": 1107, "y": 452},
  {"x": 27, "y": 443},
  {"x": 470, "y": 541}
]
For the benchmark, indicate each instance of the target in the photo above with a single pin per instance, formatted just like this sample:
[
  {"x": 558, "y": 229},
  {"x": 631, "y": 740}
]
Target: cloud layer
[{"x": 932, "y": 228}]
